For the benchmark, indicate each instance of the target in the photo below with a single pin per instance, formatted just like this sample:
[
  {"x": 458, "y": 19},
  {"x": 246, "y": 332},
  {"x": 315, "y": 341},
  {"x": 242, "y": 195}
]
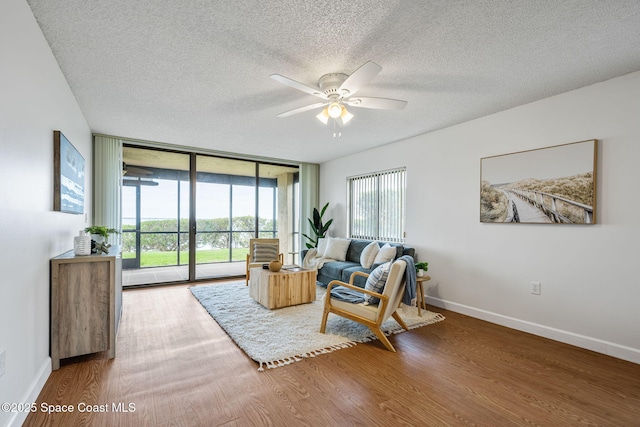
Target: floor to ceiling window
[{"x": 233, "y": 201}]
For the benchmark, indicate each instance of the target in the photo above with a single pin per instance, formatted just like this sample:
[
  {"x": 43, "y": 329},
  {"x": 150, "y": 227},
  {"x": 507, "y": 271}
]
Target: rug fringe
[
  {"x": 283, "y": 362},
  {"x": 435, "y": 319},
  {"x": 217, "y": 299}
]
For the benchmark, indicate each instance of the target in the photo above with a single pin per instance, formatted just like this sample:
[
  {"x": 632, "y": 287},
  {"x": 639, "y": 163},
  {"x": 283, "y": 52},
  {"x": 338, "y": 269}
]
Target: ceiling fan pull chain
[{"x": 336, "y": 134}]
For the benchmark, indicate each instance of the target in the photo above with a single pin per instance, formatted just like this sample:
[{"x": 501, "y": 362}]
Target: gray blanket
[
  {"x": 410, "y": 280},
  {"x": 345, "y": 294}
]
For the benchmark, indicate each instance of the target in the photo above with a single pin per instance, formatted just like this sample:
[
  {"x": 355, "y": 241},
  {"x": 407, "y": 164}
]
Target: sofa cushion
[
  {"x": 369, "y": 254},
  {"x": 334, "y": 269},
  {"x": 323, "y": 280},
  {"x": 347, "y": 272},
  {"x": 376, "y": 281},
  {"x": 399, "y": 249},
  {"x": 337, "y": 248},
  {"x": 355, "y": 249}
]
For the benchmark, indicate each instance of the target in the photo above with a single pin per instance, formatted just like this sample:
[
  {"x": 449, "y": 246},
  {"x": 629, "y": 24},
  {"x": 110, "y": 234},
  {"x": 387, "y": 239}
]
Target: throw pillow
[
  {"x": 369, "y": 254},
  {"x": 322, "y": 246},
  {"x": 375, "y": 282},
  {"x": 337, "y": 248},
  {"x": 386, "y": 253},
  {"x": 265, "y": 252}
]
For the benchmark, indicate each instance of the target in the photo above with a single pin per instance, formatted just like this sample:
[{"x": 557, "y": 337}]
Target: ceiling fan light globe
[
  {"x": 334, "y": 110},
  {"x": 346, "y": 116},
  {"x": 323, "y": 116}
]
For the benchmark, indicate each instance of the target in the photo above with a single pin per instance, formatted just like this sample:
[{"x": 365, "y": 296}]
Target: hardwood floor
[{"x": 176, "y": 367}]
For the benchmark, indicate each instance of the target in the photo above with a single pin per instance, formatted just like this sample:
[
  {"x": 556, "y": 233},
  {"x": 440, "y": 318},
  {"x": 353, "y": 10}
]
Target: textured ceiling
[{"x": 196, "y": 72}]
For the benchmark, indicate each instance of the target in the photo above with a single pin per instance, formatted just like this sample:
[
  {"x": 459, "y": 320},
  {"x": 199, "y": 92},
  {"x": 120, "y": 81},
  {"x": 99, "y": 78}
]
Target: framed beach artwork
[
  {"x": 68, "y": 176},
  {"x": 553, "y": 185}
]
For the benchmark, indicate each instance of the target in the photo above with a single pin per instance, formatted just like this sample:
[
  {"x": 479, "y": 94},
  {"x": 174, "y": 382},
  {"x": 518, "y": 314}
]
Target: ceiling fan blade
[
  {"x": 376, "y": 103},
  {"x": 297, "y": 85},
  {"x": 135, "y": 171},
  {"x": 302, "y": 109},
  {"x": 136, "y": 182},
  {"x": 360, "y": 78}
]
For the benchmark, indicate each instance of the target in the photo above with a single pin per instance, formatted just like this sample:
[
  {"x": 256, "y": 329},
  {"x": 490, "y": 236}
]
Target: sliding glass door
[
  {"x": 190, "y": 216},
  {"x": 155, "y": 214},
  {"x": 225, "y": 214}
]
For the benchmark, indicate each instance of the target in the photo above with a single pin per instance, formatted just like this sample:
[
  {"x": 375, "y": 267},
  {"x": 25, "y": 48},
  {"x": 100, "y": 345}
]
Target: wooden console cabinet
[{"x": 86, "y": 302}]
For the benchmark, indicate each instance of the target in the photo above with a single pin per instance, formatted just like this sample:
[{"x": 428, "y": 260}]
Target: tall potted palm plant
[{"x": 317, "y": 227}]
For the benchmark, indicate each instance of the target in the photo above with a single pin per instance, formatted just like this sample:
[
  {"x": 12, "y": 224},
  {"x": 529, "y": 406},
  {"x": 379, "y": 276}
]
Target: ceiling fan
[
  {"x": 337, "y": 91},
  {"x": 135, "y": 171},
  {"x": 136, "y": 176}
]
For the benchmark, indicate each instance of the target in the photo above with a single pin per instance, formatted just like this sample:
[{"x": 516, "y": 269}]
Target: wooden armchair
[
  {"x": 262, "y": 251},
  {"x": 373, "y": 316}
]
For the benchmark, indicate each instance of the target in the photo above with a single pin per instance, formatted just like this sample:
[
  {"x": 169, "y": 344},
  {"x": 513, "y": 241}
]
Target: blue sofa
[{"x": 342, "y": 270}]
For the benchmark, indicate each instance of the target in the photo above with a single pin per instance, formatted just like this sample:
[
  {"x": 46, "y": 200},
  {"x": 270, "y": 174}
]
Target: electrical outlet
[
  {"x": 3, "y": 358},
  {"x": 536, "y": 288}
]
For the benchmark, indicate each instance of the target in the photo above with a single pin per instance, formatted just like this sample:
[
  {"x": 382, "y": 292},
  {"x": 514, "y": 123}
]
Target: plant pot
[
  {"x": 98, "y": 238},
  {"x": 420, "y": 273}
]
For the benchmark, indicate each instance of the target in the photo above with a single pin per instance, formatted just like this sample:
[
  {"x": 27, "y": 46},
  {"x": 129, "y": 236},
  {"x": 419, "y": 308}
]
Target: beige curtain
[
  {"x": 309, "y": 197},
  {"x": 107, "y": 184}
]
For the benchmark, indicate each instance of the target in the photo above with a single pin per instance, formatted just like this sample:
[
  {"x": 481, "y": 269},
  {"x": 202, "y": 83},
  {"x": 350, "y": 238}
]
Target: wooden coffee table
[{"x": 282, "y": 289}]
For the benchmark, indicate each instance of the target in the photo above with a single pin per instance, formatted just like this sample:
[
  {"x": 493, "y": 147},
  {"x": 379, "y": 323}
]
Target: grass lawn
[{"x": 159, "y": 259}]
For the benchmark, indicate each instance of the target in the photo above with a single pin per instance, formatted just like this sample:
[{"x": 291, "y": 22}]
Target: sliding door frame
[{"x": 192, "y": 219}]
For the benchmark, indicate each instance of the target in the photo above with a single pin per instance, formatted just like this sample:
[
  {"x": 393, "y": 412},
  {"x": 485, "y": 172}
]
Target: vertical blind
[
  {"x": 107, "y": 183},
  {"x": 377, "y": 205}
]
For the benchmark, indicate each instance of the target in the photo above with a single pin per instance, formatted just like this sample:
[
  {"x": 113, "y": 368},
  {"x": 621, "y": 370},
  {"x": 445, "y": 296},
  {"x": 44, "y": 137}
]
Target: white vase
[
  {"x": 82, "y": 244},
  {"x": 420, "y": 273}
]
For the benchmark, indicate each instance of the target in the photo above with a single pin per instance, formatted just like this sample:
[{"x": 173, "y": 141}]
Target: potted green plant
[
  {"x": 421, "y": 267},
  {"x": 102, "y": 231},
  {"x": 319, "y": 229},
  {"x": 99, "y": 236}
]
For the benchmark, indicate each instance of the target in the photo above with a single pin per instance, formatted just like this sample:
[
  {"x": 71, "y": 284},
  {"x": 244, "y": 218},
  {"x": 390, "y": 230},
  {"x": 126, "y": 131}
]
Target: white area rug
[{"x": 275, "y": 338}]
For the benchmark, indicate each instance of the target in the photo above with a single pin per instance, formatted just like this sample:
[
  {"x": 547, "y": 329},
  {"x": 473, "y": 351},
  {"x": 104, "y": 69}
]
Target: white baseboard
[
  {"x": 33, "y": 392},
  {"x": 582, "y": 341}
]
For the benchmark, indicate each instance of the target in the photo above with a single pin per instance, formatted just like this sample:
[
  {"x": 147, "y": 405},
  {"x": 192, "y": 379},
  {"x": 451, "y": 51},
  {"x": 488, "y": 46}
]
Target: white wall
[
  {"x": 35, "y": 100},
  {"x": 590, "y": 284}
]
